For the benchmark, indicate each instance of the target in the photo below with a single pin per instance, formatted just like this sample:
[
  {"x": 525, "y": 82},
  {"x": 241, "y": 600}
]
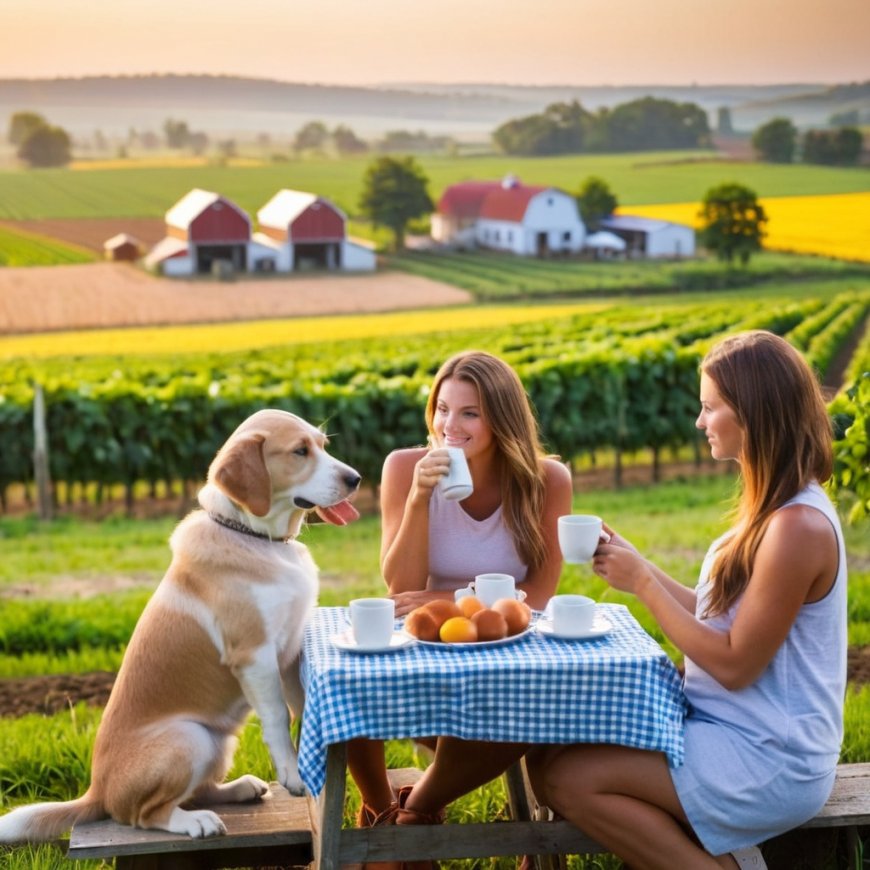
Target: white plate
[
  {"x": 347, "y": 642},
  {"x": 599, "y": 628},
  {"x": 478, "y": 644}
]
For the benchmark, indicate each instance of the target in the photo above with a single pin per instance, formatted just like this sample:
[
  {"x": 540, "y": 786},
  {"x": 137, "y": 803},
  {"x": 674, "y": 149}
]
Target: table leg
[{"x": 330, "y": 809}]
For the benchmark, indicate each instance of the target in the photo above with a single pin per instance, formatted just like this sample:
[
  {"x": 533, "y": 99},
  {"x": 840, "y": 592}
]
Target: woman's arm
[
  {"x": 408, "y": 478},
  {"x": 540, "y": 583},
  {"x": 682, "y": 594},
  {"x": 796, "y": 557}
]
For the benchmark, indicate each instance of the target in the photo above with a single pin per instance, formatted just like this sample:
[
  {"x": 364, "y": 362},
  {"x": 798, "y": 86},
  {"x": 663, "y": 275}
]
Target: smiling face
[
  {"x": 719, "y": 422},
  {"x": 458, "y": 420}
]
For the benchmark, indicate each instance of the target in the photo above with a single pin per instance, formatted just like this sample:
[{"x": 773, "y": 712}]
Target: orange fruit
[
  {"x": 469, "y": 605},
  {"x": 491, "y": 625},
  {"x": 422, "y": 624},
  {"x": 516, "y": 614},
  {"x": 442, "y": 610},
  {"x": 458, "y": 629}
]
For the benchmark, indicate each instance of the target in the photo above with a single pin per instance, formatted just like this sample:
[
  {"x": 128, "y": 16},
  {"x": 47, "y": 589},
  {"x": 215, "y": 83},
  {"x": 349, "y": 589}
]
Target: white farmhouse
[
  {"x": 648, "y": 237},
  {"x": 509, "y": 216}
]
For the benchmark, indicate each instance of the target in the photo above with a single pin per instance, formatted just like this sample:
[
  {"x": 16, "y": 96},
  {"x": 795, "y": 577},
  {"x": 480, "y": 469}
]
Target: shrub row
[{"x": 592, "y": 391}]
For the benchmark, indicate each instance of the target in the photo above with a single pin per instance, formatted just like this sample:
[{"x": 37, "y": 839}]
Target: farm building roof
[
  {"x": 165, "y": 249},
  {"x": 193, "y": 204},
  {"x": 286, "y": 205},
  {"x": 120, "y": 239},
  {"x": 497, "y": 200},
  {"x": 634, "y": 223}
]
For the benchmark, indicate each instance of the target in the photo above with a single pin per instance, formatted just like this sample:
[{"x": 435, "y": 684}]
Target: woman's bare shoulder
[
  {"x": 404, "y": 458},
  {"x": 555, "y": 471}
]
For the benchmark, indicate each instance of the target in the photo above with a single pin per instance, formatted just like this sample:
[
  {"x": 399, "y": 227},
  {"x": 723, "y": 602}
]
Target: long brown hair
[
  {"x": 786, "y": 443},
  {"x": 508, "y": 411}
]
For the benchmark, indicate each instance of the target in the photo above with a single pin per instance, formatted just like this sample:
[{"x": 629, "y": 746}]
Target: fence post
[{"x": 40, "y": 455}]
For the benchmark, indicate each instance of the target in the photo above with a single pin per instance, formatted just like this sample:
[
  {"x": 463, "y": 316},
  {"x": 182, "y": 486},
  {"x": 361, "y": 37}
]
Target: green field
[
  {"x": 634, "y": 178},
  {"x": 26, "y": 249}
]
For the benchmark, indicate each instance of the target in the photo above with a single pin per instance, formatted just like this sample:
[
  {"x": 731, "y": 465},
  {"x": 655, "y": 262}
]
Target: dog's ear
[{"x": 240, "y": 473}]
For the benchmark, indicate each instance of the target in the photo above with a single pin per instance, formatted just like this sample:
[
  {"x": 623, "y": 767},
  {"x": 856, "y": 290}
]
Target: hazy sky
[{"x": 510, "y": 41}]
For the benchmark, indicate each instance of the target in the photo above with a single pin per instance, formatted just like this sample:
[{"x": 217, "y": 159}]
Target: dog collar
[{"x": 236, "y": 526}]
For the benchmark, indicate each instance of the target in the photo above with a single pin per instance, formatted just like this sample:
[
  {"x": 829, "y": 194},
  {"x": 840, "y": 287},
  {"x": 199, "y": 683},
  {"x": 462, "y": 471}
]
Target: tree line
[
  {"x": 645, "y": 124},
  {"x": 778, "y": 141}
]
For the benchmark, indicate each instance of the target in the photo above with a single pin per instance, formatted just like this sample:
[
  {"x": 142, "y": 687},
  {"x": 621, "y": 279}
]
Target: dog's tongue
[{"x": 338, "y": 514}]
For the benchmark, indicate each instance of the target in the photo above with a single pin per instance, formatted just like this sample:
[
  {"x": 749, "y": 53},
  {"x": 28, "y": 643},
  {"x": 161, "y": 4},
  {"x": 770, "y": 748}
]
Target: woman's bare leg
[
  {"x": 625, "y": 799},
  {"x": 367, "y": 764},
  {"x": 460, "y": 766}
]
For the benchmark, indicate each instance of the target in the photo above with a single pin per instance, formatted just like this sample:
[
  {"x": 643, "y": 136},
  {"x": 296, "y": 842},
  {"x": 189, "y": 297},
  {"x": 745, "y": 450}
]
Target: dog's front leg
[{"x": 262, "y": 685}]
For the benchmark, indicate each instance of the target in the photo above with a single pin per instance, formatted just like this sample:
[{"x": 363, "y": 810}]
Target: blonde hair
[
  {"x": 787, "y": 443},
  {"x": 507, "y": 410}
]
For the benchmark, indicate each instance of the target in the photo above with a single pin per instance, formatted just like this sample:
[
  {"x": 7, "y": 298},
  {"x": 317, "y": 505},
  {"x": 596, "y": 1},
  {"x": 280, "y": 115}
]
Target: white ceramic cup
[
  {"x": 571, "y": 615},
  {"x": 579, "y": 535},
  {"x": 489, "y": 588},
  {"x": 456, "y": 484},
  {"x": 372, "y": 621}
]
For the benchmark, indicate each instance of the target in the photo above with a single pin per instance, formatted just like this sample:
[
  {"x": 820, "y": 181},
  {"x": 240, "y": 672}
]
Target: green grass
[
  {"x": 47, "y": 758},
  {"x": 634, "y": 178},
  {"x": 18, "y": 248}
]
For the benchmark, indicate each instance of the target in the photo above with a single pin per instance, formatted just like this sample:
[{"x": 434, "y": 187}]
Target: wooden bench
[
  {"x": 275, "y": 831},
  {"x": 282, "y": 831},
  {"x": 848, "y": 808}
]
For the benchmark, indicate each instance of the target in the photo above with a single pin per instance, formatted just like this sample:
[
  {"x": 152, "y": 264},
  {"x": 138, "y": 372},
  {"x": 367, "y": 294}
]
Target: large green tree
[
  {"x": 733, "y": 222},
  {"x": 595, "y": 200},
  {"x": 774, "y": 142},
  {"x": 22, "y": 124},
  {"x": 46, "y": 146},
  {"x": 394, "y": 193}
]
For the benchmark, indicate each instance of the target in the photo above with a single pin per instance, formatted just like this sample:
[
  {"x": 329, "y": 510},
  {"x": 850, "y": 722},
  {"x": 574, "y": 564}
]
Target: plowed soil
[{"x": 105, "y": 295}]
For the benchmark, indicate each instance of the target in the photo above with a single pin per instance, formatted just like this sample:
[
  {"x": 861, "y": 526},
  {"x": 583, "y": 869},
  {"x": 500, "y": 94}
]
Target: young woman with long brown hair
[
  {"x": 431, "y": 546},
  {"x": 763, "y": 634}
]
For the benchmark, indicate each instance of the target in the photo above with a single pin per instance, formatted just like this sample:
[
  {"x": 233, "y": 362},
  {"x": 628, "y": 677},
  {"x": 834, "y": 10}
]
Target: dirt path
[{"x": 102, "y": 295}]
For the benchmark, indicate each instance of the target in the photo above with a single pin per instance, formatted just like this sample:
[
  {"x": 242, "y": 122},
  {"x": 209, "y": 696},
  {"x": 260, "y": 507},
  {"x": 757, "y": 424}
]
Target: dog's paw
[
  {"x": 197, "y": 824},
  {"x": 254, "y": 785},
  {"x": 291, "y": 780}
]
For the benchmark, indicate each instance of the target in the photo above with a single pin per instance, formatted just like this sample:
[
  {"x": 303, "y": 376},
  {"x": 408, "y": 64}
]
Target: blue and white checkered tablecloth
[{"x": 620, "y": 688}]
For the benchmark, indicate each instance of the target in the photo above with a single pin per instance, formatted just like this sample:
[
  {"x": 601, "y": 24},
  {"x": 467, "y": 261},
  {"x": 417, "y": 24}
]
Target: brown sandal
[
  {"x": 368, "y": 817},
  {"x": 407, "y": 816}
]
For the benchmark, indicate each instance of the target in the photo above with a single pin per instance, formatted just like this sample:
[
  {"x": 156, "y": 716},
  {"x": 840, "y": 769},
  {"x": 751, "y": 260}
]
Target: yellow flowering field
[
  {"x": 834, "y": 226},
  {"x": 173, "y": 161},
  {"x": 264, "y": 333}
]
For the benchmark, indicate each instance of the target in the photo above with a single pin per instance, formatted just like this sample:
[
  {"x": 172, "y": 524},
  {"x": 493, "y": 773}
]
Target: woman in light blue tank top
[
  {"x": 763, "y": 634},
  {"x": 430, "y": 546}
]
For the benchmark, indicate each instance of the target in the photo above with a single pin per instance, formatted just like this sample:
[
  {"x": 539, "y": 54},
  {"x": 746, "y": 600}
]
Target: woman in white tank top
[
  {"x": 763, "y": 634},
  {"x": 431, "y": 546}
]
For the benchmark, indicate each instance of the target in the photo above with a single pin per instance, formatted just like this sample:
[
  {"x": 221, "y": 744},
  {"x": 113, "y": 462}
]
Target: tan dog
[{"x": 220, "y": 636}]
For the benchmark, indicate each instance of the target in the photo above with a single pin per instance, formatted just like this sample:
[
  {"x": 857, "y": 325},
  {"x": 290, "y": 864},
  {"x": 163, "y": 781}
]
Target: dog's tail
[{"x": 40, "y": 823}]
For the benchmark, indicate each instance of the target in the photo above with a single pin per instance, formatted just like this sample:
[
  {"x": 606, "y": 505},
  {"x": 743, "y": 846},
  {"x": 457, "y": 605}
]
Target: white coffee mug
[
  {"x": 571, "y": 615},
  {"x": 579, "y": 535},
  {"x": 456, "y": 484},
  {"x": 372, "y": 621},
  {"x": 489, "y": 588}
]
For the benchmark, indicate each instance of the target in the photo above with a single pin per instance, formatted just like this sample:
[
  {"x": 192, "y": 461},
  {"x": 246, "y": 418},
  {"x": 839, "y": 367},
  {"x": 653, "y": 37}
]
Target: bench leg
[
  {"x": 521, "y": 799},
  {"x": 330, "y": 810}
]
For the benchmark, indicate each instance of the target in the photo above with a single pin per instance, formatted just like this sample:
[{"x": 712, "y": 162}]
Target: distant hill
[{"x": 229, "y": 105}]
